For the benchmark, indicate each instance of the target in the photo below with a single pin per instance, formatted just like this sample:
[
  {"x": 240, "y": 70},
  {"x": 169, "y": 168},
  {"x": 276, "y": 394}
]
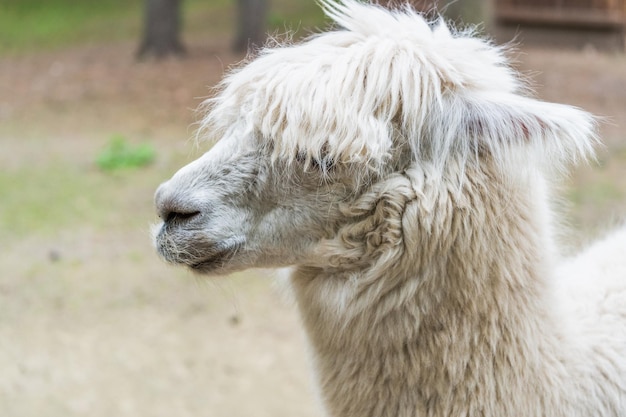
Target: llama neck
[{"x": 456, "y": 324}]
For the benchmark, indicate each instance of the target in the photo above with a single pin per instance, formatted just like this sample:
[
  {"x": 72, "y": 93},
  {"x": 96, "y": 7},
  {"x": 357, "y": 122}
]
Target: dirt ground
[{"x": 93, "y": 324}]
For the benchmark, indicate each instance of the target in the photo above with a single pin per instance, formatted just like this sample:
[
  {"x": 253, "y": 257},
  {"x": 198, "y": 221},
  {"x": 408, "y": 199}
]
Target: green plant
[{"x": 120, "y": 154}]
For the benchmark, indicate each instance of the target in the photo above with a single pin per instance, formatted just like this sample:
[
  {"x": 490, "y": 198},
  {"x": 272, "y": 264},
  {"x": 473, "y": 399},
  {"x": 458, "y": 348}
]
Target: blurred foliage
[
  {"x": 298, "y": 16},
  {"x": 43, "y": 24},
  {"x": 120, "y": 154},
  {"x": 29, "y": 25}
]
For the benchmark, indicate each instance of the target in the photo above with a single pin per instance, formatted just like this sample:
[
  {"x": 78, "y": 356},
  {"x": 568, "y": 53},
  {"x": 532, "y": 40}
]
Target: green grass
[
  {"x": 27, "y": 25},
  {"x": 60, "y": 196},
  {"x": 33, "y": 25},
  {"x": 51, "y": 198}
]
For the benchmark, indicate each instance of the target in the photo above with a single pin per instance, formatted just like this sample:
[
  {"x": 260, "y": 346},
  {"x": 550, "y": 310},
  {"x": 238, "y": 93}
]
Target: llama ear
[{"x": 497, "y": 122}]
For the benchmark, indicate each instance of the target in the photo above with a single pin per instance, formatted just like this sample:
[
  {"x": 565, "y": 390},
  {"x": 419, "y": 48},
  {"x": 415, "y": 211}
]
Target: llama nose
[{"x": 172, "y": 207}]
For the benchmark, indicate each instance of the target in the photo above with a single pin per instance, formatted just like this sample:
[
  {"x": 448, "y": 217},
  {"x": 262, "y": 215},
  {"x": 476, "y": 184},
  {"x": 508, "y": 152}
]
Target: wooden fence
[{"x": 599, "y": 14}]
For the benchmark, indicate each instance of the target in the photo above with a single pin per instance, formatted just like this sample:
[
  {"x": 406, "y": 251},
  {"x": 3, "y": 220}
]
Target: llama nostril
[
  {"x": 174, "y": 216},
  {"x": 173, "y": 209}
]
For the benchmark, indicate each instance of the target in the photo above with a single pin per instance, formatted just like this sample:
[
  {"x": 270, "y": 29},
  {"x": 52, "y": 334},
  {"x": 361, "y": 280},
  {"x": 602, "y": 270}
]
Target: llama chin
[{"x": 400, "y": 168}]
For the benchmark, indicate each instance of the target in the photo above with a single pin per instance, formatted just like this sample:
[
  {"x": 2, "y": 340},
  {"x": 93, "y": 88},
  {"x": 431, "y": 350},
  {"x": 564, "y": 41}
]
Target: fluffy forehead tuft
[{"x": 350, "y": 94}]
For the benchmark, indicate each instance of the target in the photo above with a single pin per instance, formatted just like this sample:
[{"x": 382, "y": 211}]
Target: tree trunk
[
  {"x": 162, "y": 29},
  {"x": 251, "y": 16}
]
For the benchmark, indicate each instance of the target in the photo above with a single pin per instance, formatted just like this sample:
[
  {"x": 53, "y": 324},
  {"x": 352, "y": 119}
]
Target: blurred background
[{"x": 97, "y": 102}]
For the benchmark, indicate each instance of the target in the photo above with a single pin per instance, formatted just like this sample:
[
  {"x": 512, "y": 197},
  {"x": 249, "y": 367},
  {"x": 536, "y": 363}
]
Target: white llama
[{"x": 400, "y": 169}]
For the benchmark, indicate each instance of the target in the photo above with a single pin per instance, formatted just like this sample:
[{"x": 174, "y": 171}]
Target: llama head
[{"x": 308, "y": 132}]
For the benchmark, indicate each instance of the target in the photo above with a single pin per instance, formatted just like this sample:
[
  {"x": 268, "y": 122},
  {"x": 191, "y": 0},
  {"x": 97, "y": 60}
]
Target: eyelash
[{"x": 324, "y": 165}]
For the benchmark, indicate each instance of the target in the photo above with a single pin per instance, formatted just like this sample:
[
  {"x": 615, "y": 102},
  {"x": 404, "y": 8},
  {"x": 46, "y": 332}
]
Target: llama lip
[
  {"x": 214, "y": 261},
  {"x": 218, "y": 258}
]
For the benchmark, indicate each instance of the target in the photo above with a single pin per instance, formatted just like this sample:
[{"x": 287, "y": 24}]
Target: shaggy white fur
[
  {"x": 402, "y": 77},
  {"x": 401, "y": 169}
]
